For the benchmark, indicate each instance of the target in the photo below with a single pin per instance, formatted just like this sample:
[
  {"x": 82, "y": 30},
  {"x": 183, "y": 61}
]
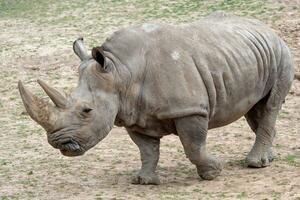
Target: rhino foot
[
  {"x": 210, "y": 170},
  {"x": 259, "y": 160},
  {"x": 145, "y": 179}
]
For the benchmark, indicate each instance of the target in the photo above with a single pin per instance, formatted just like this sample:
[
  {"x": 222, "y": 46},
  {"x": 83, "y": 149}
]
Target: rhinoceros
[{"x": 156, "y": 79}]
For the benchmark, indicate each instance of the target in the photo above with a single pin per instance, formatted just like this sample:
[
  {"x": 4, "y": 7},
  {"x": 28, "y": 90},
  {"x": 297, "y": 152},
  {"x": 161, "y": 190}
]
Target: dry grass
[{"x": 36, "y": 42}]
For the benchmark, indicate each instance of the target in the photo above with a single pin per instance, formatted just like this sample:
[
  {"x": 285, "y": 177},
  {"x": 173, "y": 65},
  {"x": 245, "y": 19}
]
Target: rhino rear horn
[
  {"x": 39, "y": 110},
  {"x": 58, "y": 99},
  {"x": 80, "y": 50}
]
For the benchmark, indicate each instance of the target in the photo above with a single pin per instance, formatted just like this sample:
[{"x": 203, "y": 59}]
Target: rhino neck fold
[
  {"x": 129, "y": 83},
  {"x": 129, "y": 113}
]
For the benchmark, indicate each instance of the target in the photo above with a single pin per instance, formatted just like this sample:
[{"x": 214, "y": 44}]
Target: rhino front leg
[
  {"x": 149, "y": 150},
  {"x": 192, "y": 132}
]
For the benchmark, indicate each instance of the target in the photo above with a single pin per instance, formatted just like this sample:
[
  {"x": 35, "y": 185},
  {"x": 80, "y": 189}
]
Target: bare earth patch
[{"x": 34, "y": 47}]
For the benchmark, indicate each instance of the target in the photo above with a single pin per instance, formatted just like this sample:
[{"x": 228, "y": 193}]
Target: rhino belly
[
  {"x": 230, "y": 112},
  {"x": 235, "y": 96}
]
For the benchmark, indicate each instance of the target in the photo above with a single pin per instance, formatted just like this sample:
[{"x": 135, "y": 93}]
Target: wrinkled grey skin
[{"x": 158, "y": 79}]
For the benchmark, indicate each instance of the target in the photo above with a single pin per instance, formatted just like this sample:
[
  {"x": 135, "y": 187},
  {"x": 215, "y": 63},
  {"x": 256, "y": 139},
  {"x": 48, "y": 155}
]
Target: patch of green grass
[
  {"x": 185, "y": 10},
  {"x": 169, "y": 9},
  {"x": 3, "y": 162},
  {"x": 8, "y": 197},
  {"x": 217, "y": 195},
  {"x": 197, "y": 190},
  {"x": 276, "y": 195},
  {"x": 48, "y": 12},
  {"x": 291, "y": 159},
  {"x": 278, "y": 146},
  {"x": 283, "y": 114},
  {"x": 97, "y": 18},
  {"x": 99, "y": 196},
  {"x": 175, "y": 194},
  {"x": 12, "y": 98},
  {"x": 242, "y": 195},
  {"x": 207, "y": 193},
  {"x": 222, "y": 195},
  {"x": 23, "y": 8},
  {"x": 52, "y": 12}
]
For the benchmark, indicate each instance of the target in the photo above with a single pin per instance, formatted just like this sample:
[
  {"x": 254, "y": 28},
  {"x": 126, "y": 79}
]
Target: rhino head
[{"x": 78, "y": 122}]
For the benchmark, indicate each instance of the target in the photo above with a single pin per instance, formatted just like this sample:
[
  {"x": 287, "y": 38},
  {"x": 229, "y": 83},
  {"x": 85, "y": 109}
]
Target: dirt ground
[{"x": 36, "y": 42}]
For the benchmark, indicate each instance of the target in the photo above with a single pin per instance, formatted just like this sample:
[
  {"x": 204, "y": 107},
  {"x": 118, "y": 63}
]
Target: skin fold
[{"x": 157, "y": 79}]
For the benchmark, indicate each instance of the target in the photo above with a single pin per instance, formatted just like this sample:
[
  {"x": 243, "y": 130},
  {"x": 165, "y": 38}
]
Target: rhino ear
[
  {"x": 98, "y": 55},
  {"x": 80, "y": 50}
]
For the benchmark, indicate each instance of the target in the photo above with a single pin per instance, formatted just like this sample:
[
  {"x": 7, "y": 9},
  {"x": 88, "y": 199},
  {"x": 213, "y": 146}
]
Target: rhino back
[
  {"x": 219, "y": 66},
  {"x": 240, "y": 60}
]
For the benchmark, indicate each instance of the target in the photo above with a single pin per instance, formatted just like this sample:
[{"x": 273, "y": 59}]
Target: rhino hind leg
[
  {"x": 262, "y": 123},
  {"x": 262, "y": 118},
  {"x": 149, "y": 150},
  {"x": 192, "y": 131}
]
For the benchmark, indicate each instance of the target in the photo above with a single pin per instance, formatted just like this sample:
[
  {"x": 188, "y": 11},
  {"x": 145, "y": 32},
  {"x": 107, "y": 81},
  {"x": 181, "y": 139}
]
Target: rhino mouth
[
  {"x": 64, "y": 141},
  {"x": 71, "y": 153},
  {"x": 71, "y": 148}
]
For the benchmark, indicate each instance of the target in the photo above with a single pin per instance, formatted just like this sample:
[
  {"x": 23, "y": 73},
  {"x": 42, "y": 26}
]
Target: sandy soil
[{"x": 31, "y": 169}]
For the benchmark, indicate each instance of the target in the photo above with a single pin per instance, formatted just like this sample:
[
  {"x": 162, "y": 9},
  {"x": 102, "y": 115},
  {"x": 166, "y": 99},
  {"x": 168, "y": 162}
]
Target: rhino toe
[
  {"x": 210, "y": 170},
  {"x": 260, "y": 160},
  {"x": 258, "y": 163},
  {"x": 145, "y": 179}
]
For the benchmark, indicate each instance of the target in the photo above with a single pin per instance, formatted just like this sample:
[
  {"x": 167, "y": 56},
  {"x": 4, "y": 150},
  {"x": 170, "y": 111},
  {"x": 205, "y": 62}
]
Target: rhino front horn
[
  {"x": 80, "y": 50},
  {"x": 58, "y": 99},
  {"x": 39, "y": 110}
]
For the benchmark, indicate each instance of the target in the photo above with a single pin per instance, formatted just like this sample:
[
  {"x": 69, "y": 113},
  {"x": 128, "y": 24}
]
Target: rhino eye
[{"x": 86, "y": 110}]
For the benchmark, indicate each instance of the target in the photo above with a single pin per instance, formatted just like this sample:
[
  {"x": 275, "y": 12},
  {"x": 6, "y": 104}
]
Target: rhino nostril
[{"x": 86, "y": 110}]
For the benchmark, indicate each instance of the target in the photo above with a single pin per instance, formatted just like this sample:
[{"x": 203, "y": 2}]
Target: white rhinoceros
[{"x": 158, "y": 79}]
